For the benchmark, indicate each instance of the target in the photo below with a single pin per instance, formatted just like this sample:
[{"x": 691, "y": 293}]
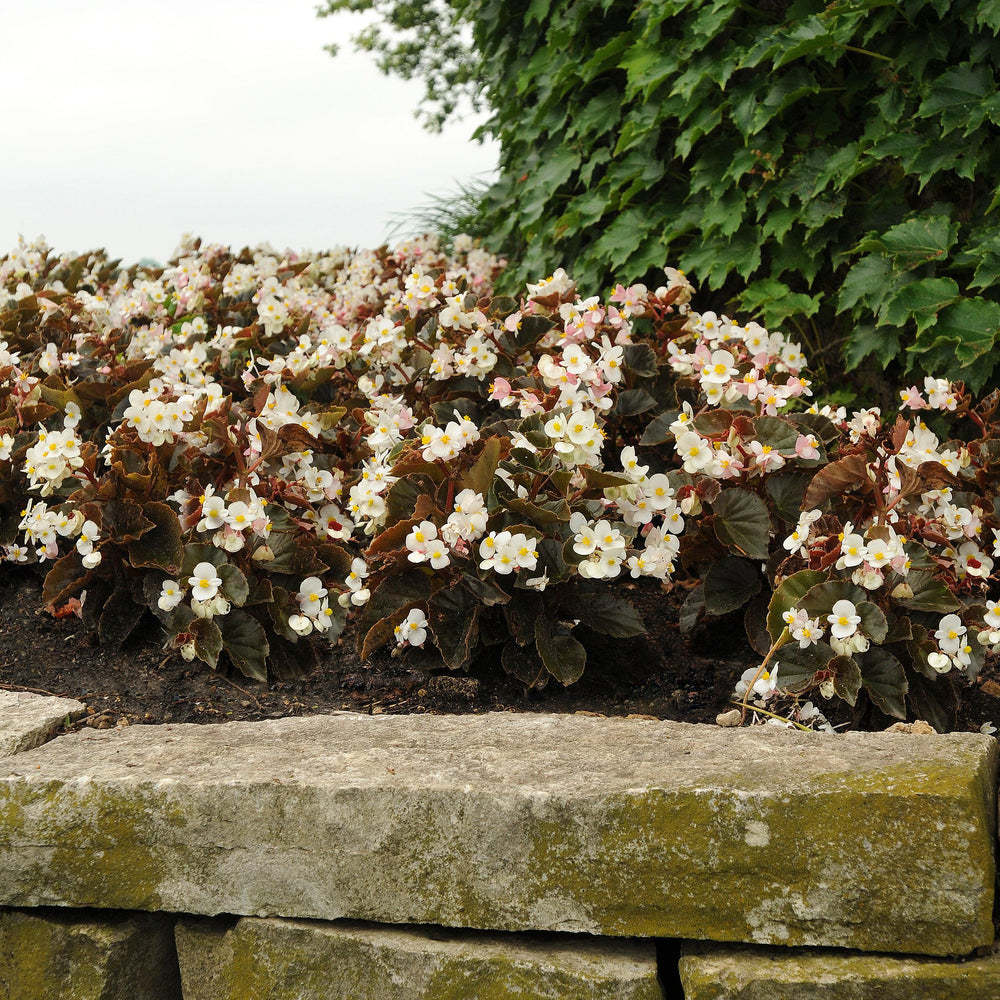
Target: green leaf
[
  {"x": 524, "y": 663},
  {"x": 658, "y": 430},
  {"x": 119, "y": 617},
  {"x": 797, "y": 668},
  {"x": 742, "y": 522},
  {"x": 480, "y": 476},
  {"x": 929, "y": 594},
  {"x": 883, "y": 677},
  {"x": 563, "y": 656},
  {"x": 821, "y": 598},
  {"x": 160, "y": 548},
  {"x": 786, "y": 489},
  {"x": 788, "y": 595},
  {"x": 919, "y": 300},
  {"x": 934, "y": 700},
  {"x": 957, "y": 97},
  {"x": 609, "y": 615},
  {"x": 245, "y": 642},
  {"x": 865, "y": 283},
  {"x": 846, "y": 679},
  {"x": 729, "y": 584},
  {"x": 207, "y": 640},
  {"x": 234, "y": 584},
  {"x": 873, "y": 623},
  {"x": 453, "y": 616},
  {"x": 921, "y": 240},
  {"x": 972, "y": 323}
]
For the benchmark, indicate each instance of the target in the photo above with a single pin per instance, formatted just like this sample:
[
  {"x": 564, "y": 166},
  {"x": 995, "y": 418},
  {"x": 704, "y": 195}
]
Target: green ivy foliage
[{"x": 833, "y": 162}]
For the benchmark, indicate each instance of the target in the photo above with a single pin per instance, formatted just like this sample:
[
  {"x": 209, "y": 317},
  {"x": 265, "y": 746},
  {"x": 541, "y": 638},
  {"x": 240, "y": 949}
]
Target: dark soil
[{"x": 661, "y": 674}]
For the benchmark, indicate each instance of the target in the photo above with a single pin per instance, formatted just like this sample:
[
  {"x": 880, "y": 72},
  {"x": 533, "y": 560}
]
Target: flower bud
[{"x": 187, "y": 651}]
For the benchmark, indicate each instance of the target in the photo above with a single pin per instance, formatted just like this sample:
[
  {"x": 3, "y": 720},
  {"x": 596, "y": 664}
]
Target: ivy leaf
[
  {"x": 883, "y": 677},
  {"x": 972, "y": 323},
  {"x": 742, "y": 523},
  {"x": 729, "y": 584},
  {"x": 920, "y": 240},
  {"x": 919, "y": 300},
  {"x": 563, "y": 656}
]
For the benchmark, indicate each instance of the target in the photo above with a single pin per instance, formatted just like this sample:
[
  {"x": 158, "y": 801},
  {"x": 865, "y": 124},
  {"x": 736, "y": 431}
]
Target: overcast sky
[{"x": 127, "y": 124}]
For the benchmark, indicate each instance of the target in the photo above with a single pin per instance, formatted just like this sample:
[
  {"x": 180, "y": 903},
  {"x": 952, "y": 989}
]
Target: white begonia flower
[
  {"x": 213, "y": 514},
  {"x": 205, "y": 582},
  {"x": 807, "y": 633},
  {"x": 300, "y": 624},
  {"x": 852, "y": 551},
  {"x": 413, "y": 629},
  {"x": 992, "y": 616},
  {"x": 171, "y": 595},
  {"x": 844, "y": 621},
  {"x": 311, "y": 593},
  {"x": 940, "y": 662},
  {"x": 763, "y": 686},
  {"x": 950, "y": 634}
]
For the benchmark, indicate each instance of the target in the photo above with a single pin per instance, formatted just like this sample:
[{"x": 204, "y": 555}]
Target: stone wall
[{"x": 492, "y": 856}]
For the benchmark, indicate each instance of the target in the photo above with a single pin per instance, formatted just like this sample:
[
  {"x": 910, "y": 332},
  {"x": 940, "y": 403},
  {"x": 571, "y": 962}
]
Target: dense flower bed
[{"x": 253, "y": 445}]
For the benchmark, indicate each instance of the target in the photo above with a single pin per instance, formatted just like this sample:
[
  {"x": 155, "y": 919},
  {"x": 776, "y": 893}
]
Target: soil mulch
[{"x": 661, "y": 674}]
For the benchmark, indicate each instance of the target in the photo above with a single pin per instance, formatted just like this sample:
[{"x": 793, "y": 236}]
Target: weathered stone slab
[
  {"x": 631, "y": 828},
  {"x": 27, "y": 720},
  {"x": 298, "y": 960},
  {"x": 742, "y": 972},
  {"x": 62, "y": 955}
]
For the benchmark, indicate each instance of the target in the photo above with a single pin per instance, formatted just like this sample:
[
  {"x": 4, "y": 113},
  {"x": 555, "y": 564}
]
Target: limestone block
[
  {"x": 741, "y": 972},
  {"x": 615, "y": 827},
  {"x": 62, "y": 955},
  {"x": 27, "y": 720},
  {"x": 298, "y": 960}
]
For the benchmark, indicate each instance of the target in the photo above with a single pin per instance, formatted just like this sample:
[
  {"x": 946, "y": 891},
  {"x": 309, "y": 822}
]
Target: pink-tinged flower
[
  {"x": 911, "y": 398},
  {"x": 806, "y": 446},
  {"x": 765, "y": 457},
  {"x": 500, "y": 389}
]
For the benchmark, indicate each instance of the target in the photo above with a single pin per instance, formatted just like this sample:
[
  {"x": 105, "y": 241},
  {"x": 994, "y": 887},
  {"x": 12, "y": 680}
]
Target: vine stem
[
  {"x": 866, "y": 52},
  {"x": 773, "y": 715}
]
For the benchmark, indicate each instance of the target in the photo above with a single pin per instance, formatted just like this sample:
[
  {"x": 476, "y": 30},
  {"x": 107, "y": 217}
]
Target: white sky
[{"x": 129, "y": 123}]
